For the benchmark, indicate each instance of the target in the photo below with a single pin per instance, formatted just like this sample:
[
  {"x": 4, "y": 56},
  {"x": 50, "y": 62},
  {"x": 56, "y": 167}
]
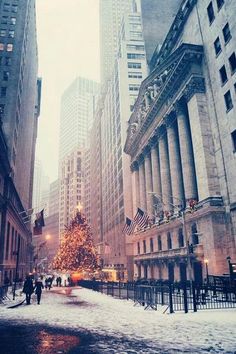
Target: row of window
[
  {"x": 5, "y": 33},
  {"x": 227, "y": 36},
  {"x": 6, "y": 20},
  {"x": 223, "y": 71},
  {"x": 8, "y": 47},
  {"x": 211, "y": 11},
  {"x": 12, "y": 239},
  {"x": 135, "y": 56},
  {"x": 7, "y": 7},
  {"x": 195, "y": 241}
]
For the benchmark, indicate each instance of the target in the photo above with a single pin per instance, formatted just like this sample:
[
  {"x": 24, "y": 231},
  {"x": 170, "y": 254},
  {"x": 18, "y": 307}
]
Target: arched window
[
  {"x": 159, "y": 243},
  {"x": 169, "y": 241},
  {"x": 195, "y": 240},
  {"x": 181, "y": 238}
]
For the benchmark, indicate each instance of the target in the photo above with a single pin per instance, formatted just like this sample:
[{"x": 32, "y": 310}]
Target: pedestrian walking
[
  {"x": 59, "y": 281},
  {"x": 28, "y": 289},
  {"x": 38, "y": 289}
]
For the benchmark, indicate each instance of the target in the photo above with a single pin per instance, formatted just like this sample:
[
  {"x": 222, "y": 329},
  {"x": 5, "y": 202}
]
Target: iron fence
[{"x": 184, "y": 296}]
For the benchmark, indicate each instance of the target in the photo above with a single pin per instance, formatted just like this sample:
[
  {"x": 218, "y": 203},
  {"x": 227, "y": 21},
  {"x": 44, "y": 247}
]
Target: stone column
[
  {"x": 142, "y": 184},
  {"x": 135, "y": 186},
  {"x": 203, "y": 146},
  {"x": 175, "y": 161},
  {"x": 186, "y": 152},
  {"x": 165, "y": 170},
  {"x": 156, "y": 175},
  {"x": 148, "y": 181}
]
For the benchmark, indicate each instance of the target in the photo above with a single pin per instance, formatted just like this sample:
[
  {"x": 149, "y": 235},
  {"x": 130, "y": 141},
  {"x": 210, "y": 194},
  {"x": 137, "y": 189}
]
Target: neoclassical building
[{"x": 181, "y": 140}]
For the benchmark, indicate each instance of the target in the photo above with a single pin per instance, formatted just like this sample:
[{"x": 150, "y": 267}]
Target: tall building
[
  {"x": 77, "y": 111},
  {"x": 71, "y": 186},
  {"x": 115, "y": 180},
  {"x": 181, "y": 140},
  {"x": 111, "y": 14},
  {"x": 19, "y": 110},
  {"x": 46, "y": 245}
]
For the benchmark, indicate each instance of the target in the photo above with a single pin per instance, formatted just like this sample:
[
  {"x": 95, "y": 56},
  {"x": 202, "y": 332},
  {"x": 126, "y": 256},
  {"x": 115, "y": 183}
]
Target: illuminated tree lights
[{"x": 77, "y": 251}]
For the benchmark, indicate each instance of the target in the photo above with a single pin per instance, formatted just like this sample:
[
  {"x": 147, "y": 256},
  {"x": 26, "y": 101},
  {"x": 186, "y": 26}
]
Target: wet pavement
[{"x": 38, "y": 339}]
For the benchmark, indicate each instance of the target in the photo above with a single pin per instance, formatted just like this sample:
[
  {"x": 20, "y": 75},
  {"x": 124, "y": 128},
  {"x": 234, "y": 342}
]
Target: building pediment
[{"x": 158, "y": 89}]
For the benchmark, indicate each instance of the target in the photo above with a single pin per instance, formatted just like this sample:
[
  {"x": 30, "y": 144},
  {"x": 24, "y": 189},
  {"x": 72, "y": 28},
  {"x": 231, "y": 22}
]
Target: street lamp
[{"x": 207, "y": 274}]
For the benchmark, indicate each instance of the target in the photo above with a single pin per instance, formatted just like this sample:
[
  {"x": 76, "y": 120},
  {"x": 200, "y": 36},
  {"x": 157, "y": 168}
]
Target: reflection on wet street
[
  {"x": 55, "y": 343},
  {"x": 36, "y": 339}
]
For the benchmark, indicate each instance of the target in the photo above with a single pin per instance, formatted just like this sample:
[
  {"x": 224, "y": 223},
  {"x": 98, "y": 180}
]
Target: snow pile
[{"x": 82, "y": 309}]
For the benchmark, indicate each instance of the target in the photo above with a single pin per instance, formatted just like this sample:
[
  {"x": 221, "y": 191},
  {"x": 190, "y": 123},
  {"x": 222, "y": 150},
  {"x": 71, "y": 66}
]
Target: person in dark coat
[
  {"x": 38, "y": 289},
  {"x": 28, "y": 289}
]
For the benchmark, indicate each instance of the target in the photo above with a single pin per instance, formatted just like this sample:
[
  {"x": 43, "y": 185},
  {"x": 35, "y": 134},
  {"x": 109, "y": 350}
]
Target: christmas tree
[{"x": 77, "y": 251}]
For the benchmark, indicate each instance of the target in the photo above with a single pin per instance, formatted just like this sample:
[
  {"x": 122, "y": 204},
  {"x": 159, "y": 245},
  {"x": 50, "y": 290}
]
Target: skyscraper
[
  {"x": 20, "y": 93},
  {"x": 111, "y": 14},
  {"x": 77, "y": 112},
  {"x": 18, "y": 96}
]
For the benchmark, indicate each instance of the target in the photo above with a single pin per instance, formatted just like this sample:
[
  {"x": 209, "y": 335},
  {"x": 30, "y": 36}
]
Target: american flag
[
  {"x": 141, "y": 218},
  {"x": 129, "y": 226}
]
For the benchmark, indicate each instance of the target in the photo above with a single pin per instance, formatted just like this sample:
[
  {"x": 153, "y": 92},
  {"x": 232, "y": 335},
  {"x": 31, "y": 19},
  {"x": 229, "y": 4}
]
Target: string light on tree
[{"x": 77, "y": 251}]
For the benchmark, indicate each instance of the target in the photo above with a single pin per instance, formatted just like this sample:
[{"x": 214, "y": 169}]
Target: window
[
  {"x": 169, "y": 241},
  {"x": 134, "y": 87},
  {"x": 14, "y": 8},
  {"x": 233, "y": 137},
  {"x": 159, "y": 244},
  {"x": 6, "y": 7},
  {"x": 12, "y": 21},
  {"x": 138, "y": 248},
  {"x": 3, "y": 91},
  {"x": 3, "y": 33},
  {"x": 135, "y": 47},
  {"x": 135, "y": 56},
  {"x": 217, "y": 46},
  {"x": 232, "y": 62},
  {"x": 4, "y": 20},
  {"x": 210, "y": 12},
  {"x": 228, "y": 101},
  {"x": 181, "y": 238},
  {"x": 134, "y": 65},
  {"x": 135, "y": 75},
  {"x": 1, "y": 46},
  {"x": 151, "y": 244},
  {"x": 9, "y": 47},
  {"x": 11, "y": 34},
  {"x": 2, "y": 108},
  {"x": 144, "y": 246},
  {"x": 5, "y": 75},
  {"x": 8, "y": 61},
  {"x": 223, "y": 75},
  {"x": 226, "y": 33},
  {"x": 220, "y": 3},
  {"x": 194, "y": 232}
]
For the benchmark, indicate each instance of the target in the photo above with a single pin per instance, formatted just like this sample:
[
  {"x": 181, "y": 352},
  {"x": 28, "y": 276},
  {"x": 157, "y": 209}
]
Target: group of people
[
  {"x": 37, "y": 286},
  {"x": 29, "y": 288}
]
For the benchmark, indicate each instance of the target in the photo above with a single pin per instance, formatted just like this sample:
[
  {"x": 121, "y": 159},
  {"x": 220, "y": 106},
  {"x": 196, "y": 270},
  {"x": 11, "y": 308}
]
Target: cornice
[{"x": 179, "y": 70}]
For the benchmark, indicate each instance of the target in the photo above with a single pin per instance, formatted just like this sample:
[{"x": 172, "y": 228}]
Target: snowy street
[{"x": 77, "y": 320}]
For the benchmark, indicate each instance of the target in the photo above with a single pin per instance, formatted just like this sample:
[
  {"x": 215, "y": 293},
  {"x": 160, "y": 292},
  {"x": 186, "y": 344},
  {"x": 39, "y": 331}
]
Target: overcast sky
[{"x": 68, "y": 44}]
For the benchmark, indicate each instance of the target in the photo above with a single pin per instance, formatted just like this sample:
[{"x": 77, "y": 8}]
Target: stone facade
[{"x": 181, "y": 143}]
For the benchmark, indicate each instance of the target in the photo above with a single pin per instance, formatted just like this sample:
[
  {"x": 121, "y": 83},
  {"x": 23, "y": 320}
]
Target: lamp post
[{"x": 207, "y": 274}]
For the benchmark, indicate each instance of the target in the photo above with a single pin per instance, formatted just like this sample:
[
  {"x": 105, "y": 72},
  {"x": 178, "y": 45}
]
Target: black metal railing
[{"x": 183, "y": 296}]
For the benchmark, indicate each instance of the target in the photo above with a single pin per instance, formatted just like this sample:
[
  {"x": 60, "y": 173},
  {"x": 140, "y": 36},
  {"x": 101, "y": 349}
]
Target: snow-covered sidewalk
[{"x": 211, "y": 331}]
